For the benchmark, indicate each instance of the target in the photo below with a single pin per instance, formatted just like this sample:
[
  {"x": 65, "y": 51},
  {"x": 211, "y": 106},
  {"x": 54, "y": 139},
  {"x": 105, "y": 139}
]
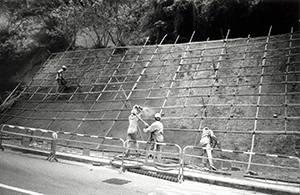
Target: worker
[
  {"x": 208, "y": 142},
  {"x": 132, "y": 130},
  {"x": 156, "y": 130},
  {"x": 61, "y": 81}
]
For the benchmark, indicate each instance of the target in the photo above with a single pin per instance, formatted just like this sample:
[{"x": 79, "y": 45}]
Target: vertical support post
[
  {"x": 1, "y": 137},
  {"x": 122, "y": 168},
  {"x": 286, "y": 80},
  {"x": 52, "y": 155},
  {"x": 258, "y": 99}
]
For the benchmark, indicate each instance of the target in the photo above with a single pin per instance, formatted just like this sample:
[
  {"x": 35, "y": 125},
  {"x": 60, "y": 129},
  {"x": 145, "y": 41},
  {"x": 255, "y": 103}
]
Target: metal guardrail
[
  {"x": 90, "y": 145},
  {"x": 28, "y": 137},
  {"x": 269, "y": 168}
]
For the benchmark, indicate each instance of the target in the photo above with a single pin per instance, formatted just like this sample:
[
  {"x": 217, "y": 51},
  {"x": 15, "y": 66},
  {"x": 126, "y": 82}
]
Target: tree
[{"x": 110, "y": 22}]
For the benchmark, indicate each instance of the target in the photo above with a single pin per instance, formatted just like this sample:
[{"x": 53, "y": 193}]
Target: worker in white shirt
[
  {"x": 207, "y": 141},
  {"x": 156, "y": 130},
  {"x": 61, "y": 81}
]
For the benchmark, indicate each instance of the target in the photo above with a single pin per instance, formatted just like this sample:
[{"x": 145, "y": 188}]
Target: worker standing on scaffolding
[
  {"x": 156, "y": 130},
  {"x": 132, "y": 130},
  {"x": 61, "y": 81},
  {"x": 208, "y": 141}
]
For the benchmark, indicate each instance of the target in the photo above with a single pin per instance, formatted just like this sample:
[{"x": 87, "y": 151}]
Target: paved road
[{"x": 31, "y": 174}]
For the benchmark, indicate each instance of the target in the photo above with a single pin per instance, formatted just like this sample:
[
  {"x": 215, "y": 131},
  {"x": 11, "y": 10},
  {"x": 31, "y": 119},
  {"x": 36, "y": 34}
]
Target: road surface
[{"x": 22, "y": 173}]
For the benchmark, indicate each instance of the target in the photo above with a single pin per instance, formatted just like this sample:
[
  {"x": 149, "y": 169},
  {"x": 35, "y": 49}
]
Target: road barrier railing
[
  {"x": 171, "y": 159},
  {"x": 167, "y": 159},
  {"x": 270, "y": 168},
  {"x": 28, "y": 137},
  {"x": 275, "y": 168},
  {"x": 89, "y": 145}
]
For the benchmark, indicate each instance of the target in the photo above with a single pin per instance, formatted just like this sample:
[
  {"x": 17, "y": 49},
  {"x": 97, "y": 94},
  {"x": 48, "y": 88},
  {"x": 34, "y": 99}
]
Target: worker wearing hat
[
  {"x": 132, "y": 129},
  {"x": 61, "y": 81},
  {"x": 156, "y": 130},
  {"x": 207, "y": 142}
]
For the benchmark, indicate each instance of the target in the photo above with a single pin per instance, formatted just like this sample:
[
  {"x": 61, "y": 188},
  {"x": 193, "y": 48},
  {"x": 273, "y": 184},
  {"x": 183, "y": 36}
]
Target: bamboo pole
[
  {"x": 237, "y": 84},
  {"x": 258, "y": 99},
  {"x": 286, "y": 79}
]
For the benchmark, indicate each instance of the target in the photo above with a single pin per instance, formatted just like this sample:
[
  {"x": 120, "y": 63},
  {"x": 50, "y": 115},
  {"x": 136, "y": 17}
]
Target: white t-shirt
[
  {"x": 157, "y": 130},
  {"x": 133, "y": 124},
  {"x": 205, "y": 138}
]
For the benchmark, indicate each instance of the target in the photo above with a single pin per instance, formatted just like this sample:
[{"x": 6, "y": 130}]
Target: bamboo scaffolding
[
  {"x": 160, "y": 71},
  {"x": 134, "y": 86},
  {"x": 210, "y": 55},
  {"x": 94, "y": 103},
  {"x": 230, "y": 114},
  {"x": 175, "y": 75},
  {"x": 184, "y": 61},
  {"x": 208, "y": 48},
  {"x": 121, "y": 86},
  {"x": 193, "y": 43},
  {"x": 10, "y": 95},
  {"x": 199, "y": 70},
  {"x": 286, "y": 78},
  {"x": 64, "y": 104},
  {"x": 27, "y": 86},
  {"x": 215, "y": 81},
  {"x": 258, "y": 99},
  {"x": 191, "y": 80},
  {"x": 192, "y": 83},
  {"x": 183, "y": 96},
  {"x": 143, "y": 71},
  {"x": 72, "y": 95},
  {"x": 167, "y": 107},
  {"x": 165, "y": 118},
  {"x": 203, "y": 103}
]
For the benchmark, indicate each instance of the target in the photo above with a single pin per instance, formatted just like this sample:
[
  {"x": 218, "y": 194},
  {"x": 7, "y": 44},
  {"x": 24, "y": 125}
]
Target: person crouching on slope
[{"x": 61, "y": 81}]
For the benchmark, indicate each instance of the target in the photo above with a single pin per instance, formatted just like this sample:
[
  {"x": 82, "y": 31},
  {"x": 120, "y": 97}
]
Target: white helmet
[
  {"x": 64, "y": 67},
  {"x": 157, "y": 116}
]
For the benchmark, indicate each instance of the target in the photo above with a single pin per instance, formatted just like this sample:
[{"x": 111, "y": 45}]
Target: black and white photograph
[{"x": 149, "y": 97}]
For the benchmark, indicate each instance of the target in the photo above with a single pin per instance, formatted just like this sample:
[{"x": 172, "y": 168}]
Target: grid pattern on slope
[{"x": 101, "y": 80}]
